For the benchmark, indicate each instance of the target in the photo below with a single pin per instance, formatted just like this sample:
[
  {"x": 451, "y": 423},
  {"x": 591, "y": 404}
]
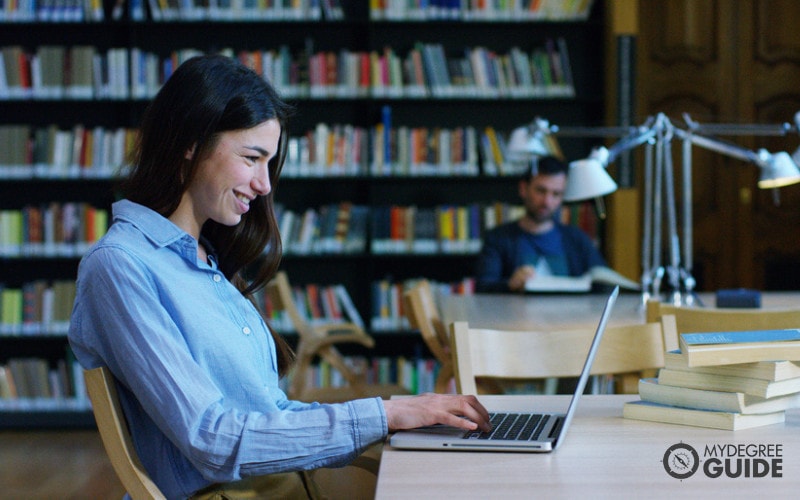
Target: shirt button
[
  {"x": 217, "y": 278},
  {"x": 246, "y": 330}
]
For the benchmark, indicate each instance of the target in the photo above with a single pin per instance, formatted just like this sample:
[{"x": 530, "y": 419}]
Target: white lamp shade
[
  {"x": 780, "y": 170},
  {"x": 588, "y": 179},
  {"x": 522, "y": 144}
]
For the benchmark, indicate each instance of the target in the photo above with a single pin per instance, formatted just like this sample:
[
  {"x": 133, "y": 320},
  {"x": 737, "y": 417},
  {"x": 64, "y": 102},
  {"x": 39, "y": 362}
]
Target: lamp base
[{"x": 679, "y": 290}]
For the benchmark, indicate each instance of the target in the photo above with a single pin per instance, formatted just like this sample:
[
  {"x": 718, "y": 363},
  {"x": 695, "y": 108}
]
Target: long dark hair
[{"x": 205, "y": 96}]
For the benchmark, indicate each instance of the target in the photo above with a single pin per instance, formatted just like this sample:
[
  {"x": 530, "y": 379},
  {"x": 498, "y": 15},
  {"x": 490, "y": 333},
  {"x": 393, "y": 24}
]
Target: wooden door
[{"x": 729, "y": 61}]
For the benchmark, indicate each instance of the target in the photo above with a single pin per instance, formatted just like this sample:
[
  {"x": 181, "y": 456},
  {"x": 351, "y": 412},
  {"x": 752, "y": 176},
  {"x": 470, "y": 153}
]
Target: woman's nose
[{"x": 260, "y": 182}]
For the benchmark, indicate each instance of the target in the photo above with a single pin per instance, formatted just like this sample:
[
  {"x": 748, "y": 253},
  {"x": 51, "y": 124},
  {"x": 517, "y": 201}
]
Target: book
[
  {"x": 766, "y": 370},
  {"x": 347, "y": 305},
  {"x": 356, "y": 237},
  {"x": 583, "y": 283},
  {"x": 736, "y": 402},
  {"x": 8, "y": 389},
  {"x": 726, "y": 348},
  {"x": 712, "y": 382},
  {"x": 644, "y": 410},
  {"x": 81, "y": 72}
]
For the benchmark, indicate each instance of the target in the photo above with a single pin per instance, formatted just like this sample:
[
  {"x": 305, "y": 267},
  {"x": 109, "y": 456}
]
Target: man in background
[{"x": 537, "y": 243}]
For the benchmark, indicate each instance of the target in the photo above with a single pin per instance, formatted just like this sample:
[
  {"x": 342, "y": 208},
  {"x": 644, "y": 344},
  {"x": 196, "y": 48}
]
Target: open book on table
[{"x": 583, "y": 283}]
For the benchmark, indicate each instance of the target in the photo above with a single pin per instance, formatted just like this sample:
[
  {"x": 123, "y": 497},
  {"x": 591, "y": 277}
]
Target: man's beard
[{"x": 539, "y": 217}]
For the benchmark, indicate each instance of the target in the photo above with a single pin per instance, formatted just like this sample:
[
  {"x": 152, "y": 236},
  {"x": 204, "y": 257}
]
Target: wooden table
[
  {"x": 604, "y": 456},
  {"x": 565, "y": 311}
]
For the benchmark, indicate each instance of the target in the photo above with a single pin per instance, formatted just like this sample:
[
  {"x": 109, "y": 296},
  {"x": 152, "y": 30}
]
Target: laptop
[{"x": 520, "y": 432}]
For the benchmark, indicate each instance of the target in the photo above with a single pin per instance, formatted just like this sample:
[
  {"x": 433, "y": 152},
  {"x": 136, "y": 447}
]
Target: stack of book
[{"x": 724, "y": 380}]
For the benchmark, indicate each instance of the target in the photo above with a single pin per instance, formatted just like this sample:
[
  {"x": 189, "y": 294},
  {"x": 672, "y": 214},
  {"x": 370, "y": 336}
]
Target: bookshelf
[{"x": 394, "y": 174}]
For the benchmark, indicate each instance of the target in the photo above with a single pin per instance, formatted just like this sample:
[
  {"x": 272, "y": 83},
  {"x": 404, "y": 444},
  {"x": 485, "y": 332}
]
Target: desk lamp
[
  {"x": 777, "y": 169},
  {"x": 590, "y": 179},
  {"x": 530, "y": 140}
]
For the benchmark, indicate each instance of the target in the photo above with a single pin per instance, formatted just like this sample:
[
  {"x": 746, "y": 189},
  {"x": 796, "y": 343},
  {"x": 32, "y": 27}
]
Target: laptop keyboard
[{"x": 512, "y": 427}]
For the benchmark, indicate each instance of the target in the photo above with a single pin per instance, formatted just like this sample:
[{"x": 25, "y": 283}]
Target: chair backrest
[
  {"x": 422, "y": 313},
  {"x": 702, "y": 319},
  {"x": 279, "y": 291},
  {"x": 102, "y": 390},
  {"x": 514, "y": 354},
  {"x": 316, "y": 341}
]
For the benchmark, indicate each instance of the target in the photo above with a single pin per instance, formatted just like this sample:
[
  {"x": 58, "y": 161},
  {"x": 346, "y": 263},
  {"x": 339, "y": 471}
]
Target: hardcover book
[
  {"x": 643, "y": 410},
  {"x": 725, "y": 348},
  {"x": 712, "y": 382},
  {"x": 736, "y": 402},
  {"x": 766, "y": 370}
]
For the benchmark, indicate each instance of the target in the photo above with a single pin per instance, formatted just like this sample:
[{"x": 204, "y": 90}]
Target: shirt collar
[
  {"x": 161, "y": 231},
  {"x": 157, "y": 228}
]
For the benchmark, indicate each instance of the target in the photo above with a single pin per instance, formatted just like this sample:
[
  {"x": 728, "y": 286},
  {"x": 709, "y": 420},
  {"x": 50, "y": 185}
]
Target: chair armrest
[
  {"x": 334, "y": 328},
  {"x": 318, "y": 343}
]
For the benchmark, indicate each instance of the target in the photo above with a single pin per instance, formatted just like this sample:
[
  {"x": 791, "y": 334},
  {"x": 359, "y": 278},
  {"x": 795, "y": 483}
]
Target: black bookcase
[{"x": 356, "y": 32}]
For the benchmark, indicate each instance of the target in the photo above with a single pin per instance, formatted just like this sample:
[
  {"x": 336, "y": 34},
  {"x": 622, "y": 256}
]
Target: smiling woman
[
  {"x": 162, "y": 302},
  {"x": 228, "y": 178}
]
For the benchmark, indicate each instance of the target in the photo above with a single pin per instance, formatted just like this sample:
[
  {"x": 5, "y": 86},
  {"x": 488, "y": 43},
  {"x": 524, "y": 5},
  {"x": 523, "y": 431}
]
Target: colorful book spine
[
  {"x": 36, "y": 308},
  {"x": 482, "y": 11},
  {"x": 427, "y": 69},
  {"x": 51, "y": 230}
]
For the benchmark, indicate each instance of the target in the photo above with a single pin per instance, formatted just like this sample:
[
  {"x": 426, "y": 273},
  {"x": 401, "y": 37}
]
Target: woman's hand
[{"x": 465, "y": 412}]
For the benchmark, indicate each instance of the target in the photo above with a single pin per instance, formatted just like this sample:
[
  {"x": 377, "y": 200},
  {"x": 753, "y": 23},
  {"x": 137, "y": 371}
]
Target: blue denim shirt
[{"x": 197, "y": 366}]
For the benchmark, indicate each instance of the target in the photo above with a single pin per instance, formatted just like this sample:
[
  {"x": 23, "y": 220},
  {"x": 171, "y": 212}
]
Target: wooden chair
[
  {"x": 702, "y": 319},
  {"x": 356, "y": 480},
  {"x": 102, "y": 390},
  {"x": 514, "y": 354},
  {"x": 320, "y": 341},
  {"x": 423, "y": 314}
]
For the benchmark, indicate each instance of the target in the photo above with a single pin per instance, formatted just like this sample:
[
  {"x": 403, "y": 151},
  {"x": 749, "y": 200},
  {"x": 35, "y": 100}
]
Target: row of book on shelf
[
  {"x": 347, "y": 228},
  {"x": 426, "y": 70},
  {"x": 68, "y": 229},
  {"x": 38, "y": 307},
  {"x": 53, "y": 229},
  {"x": 60, "y": 11},
  {"x": 388, "y": 312},
  {"x": 418, "y": 374},
  {"x": 385, "y": 150},
  {"x": 725, "y": 380},
  {"x": 480, "y": 10},
  {"x": 38, "y": 383},
  {"x": 294, "y": 10},
  {"x": 28, "y": 152},
  {"x": 43, "y": 307},
  {"x": 30, "y": 383},
  {"x": 55, "y": 11},
  {"x": 51, "y": 152},
  {"x": 236, "y": 10},
  {"x": 324, "y": 304}
]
